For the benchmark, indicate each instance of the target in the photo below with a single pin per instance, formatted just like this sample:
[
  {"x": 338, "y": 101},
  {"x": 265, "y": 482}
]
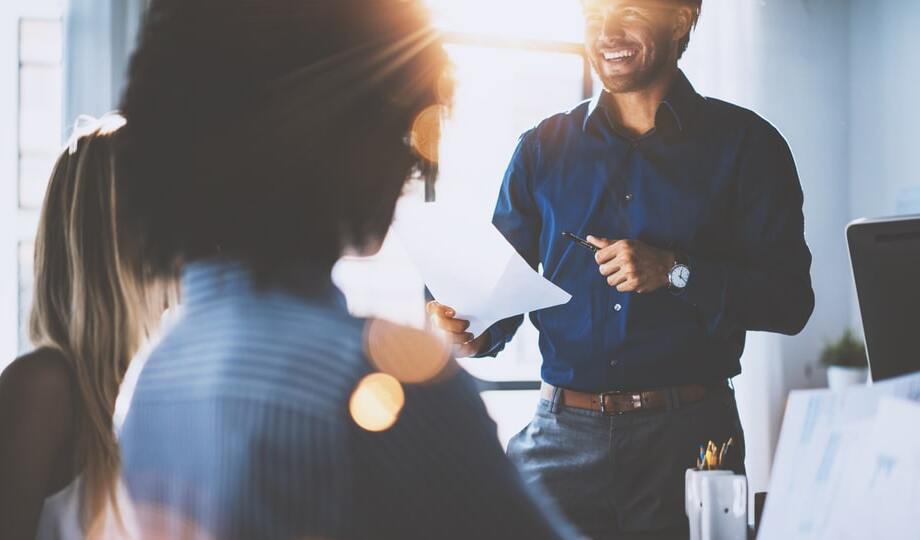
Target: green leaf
[{"x": 848, "y": 351}]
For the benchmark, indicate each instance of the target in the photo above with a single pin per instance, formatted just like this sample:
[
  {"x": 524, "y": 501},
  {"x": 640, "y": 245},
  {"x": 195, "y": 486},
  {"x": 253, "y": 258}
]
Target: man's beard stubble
[{"x": 641, "y": 78}]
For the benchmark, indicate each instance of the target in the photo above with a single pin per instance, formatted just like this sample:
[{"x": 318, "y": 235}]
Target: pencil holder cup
[
  {"x": 724, "y": 501},
  {"x": 693, "y": 498}
]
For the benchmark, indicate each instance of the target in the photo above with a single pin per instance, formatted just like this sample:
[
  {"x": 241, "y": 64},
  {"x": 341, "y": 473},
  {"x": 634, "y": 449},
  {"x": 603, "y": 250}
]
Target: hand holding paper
[
  {"x": 443, "y": 318},
  {"x": 468, "y": 265}
]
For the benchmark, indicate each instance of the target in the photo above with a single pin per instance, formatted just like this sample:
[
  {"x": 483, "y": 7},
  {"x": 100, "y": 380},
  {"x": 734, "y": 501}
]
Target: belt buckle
[{"x": 636, "y": 401}]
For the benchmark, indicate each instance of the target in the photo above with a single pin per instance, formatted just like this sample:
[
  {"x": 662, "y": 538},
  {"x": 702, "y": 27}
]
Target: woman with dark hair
[{"x": 264, "y": 139}]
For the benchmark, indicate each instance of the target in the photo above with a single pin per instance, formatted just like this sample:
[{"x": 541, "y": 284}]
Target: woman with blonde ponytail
[{"x": 92, "y": 307}]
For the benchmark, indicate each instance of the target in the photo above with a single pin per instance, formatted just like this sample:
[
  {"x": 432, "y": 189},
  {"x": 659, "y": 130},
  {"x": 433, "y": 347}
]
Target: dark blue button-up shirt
[{"x": 711, "y": 180}]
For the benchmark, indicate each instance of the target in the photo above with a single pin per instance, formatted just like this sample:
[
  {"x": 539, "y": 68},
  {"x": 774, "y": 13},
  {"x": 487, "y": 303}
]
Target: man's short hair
[
  {"x": 695, "y": 5},
  {"x": 274, "y": 132}
]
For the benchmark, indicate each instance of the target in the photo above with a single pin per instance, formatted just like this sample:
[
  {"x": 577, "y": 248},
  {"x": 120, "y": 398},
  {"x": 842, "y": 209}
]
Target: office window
[
  {"x": 25, "y": 252},
  {"x": 516, "y": 62},
  {"x": 39, "y": 141},
  {"x": 40, "y": 101},
  {"x": 386, "y": 285},
  {"x": 547, "y": 20}
]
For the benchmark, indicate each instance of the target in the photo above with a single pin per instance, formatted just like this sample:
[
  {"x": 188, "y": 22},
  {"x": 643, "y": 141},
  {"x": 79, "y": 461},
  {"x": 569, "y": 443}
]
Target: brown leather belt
[{"x": 615, "y": 403}]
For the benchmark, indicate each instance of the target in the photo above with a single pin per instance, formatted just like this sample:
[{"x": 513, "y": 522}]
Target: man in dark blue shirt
[{"x": 695, "y": 208}]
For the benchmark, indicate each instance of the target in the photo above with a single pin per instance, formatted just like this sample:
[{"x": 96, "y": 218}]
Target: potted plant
[{"x": 846, "y": 361}]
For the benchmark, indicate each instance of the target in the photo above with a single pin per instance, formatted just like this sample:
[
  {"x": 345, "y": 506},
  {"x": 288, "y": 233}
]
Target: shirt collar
[
  {"x": 674, "y": 113},
  {"x": 209, "y": 280}
]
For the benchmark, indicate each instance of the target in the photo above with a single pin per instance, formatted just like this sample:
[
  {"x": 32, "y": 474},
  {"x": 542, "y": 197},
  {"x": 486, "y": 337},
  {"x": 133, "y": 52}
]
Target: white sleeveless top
[{"x": 60, "y": 517}]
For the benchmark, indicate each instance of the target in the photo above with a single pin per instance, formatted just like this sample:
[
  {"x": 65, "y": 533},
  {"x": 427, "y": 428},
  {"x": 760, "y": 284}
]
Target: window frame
[
  {"x": 491, "y": 41},
  {"x": 27, "y": 216},
  {"x": 17, "y": 225}
]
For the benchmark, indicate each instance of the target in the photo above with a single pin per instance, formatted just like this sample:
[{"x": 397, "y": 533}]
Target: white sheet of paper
[
  {"x": 820, "y": 438},
  {"x": 468, "y": 265},
  {"x": 881, "y": 498}
]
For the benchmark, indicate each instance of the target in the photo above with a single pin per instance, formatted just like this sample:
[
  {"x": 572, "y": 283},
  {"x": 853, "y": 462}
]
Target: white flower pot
[{"x": 840, "y": 377}]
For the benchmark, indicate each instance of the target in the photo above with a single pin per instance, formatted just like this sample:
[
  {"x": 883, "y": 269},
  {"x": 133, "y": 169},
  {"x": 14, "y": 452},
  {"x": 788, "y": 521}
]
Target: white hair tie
[{"x": 87, "y": 125}]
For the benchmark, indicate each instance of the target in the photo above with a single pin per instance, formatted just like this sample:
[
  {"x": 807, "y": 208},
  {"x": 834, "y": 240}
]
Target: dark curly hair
[{"x": 274, "y": 132}]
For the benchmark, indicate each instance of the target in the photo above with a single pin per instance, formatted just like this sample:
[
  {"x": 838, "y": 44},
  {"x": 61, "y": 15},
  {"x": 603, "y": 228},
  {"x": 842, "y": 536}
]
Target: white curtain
[{"x": 100, "y": 36}]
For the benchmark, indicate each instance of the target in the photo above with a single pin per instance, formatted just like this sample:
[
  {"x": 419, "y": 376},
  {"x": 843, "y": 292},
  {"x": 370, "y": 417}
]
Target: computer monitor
[{"x": 885, "y": 255}]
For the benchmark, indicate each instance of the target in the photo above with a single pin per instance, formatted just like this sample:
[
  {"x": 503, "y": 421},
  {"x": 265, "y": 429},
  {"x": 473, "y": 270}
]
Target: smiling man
[{"x": 695, "y": 207}]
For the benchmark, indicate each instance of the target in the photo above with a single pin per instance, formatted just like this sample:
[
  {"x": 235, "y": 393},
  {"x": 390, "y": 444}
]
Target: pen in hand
[{"x": 580, "y": 241}]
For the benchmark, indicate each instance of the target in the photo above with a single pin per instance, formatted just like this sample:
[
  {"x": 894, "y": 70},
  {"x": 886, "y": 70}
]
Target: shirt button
[
  {"x": 628, "y": 197},
  {"x": 613, "y": 363},
  {"x": 617, "y": 307}
]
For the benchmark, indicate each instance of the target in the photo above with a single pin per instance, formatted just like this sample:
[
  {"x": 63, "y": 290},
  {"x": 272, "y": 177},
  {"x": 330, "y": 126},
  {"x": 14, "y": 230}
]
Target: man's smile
[{"x": 618, "y": 55}]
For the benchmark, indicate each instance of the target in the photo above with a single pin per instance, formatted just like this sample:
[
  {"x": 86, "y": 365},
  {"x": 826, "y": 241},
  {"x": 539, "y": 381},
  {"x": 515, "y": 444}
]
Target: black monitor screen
[{"x": 886, "y": 265}]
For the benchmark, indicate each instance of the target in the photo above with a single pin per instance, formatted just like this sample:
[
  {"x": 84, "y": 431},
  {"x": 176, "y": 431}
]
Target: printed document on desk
[
  {"x": 821, "y": 437},
  {"x": 467, "y": 264},
  {"x": 881, "y": 498}
]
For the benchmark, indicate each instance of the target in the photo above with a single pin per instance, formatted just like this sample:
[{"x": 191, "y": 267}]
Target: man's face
[{"x": 630, "y": 42}]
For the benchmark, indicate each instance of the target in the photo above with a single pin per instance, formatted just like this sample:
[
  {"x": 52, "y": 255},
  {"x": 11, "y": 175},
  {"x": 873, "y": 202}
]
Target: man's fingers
[
  {"x": 461, "y": 339},
  {"x": 467, "y": 348},
  {"x": 604, "y": 252},
  {"x": 617, "y": 279},
  {"x": 448, "y": 324},
  {"x": 627, "y": 279},
  {"x": 604, "y": 255},
  {"x": 631, "y": 266},
  {"x": 609, "y": 253},
  {"x": 453, "y": 326},
  {"x": 598, "y": 241},
  {"x": 609, "y": 268},
  {"x": 435, "y": 308},
  {"x": 621, "y": 248},
  {"x": 620, "y": 263},
  {"x": 442, "y": 318},
  {"x": 628, "y": 285}
]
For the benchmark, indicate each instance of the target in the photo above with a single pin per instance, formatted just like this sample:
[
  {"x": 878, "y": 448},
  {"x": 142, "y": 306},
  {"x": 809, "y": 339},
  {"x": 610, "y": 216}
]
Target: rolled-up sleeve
[{"x": 767, "y": 288}]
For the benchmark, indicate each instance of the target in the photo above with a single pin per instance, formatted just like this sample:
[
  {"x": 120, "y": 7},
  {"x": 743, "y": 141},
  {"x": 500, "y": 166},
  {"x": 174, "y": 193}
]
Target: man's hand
[
  {"x": 454, "y": 330},
  {"x": 633, "y": 266}
]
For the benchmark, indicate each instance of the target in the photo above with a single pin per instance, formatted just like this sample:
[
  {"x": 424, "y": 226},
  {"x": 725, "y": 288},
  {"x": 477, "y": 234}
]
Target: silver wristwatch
[{"x": 679, "y": 275}]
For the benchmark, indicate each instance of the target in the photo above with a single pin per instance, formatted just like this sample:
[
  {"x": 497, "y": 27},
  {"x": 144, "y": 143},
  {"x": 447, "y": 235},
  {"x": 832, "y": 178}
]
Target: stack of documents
[
  {"x": 848, "y": 465},
  {"x": 468, "y": 265}
]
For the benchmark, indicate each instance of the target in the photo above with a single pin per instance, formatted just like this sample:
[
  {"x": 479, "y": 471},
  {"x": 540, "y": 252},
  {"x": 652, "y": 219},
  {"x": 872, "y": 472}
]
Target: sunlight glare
[
  {"x": 411, "y": 356},
  {"x": 555, "y": 20},
  {"x": 376, "y": 402},
  {"x": 426, "y": 132}
]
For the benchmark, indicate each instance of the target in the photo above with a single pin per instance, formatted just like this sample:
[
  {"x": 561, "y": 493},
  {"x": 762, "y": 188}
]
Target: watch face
[{"x": 680, "y": 275}]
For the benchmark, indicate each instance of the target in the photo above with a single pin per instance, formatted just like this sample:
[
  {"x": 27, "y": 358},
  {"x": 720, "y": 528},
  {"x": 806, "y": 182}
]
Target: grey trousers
[{"x": 622, "y": 477}]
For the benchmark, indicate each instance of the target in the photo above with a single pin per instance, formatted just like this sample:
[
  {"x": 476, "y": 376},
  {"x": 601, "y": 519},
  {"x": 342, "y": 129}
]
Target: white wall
[
  {"x": 840, "y": 79},
  {"x": 788, "y": 61},
  {"x": 9, "y": 284},
  {"x": 885, "y": 118},
  {"x": 885, "y": 85}
]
